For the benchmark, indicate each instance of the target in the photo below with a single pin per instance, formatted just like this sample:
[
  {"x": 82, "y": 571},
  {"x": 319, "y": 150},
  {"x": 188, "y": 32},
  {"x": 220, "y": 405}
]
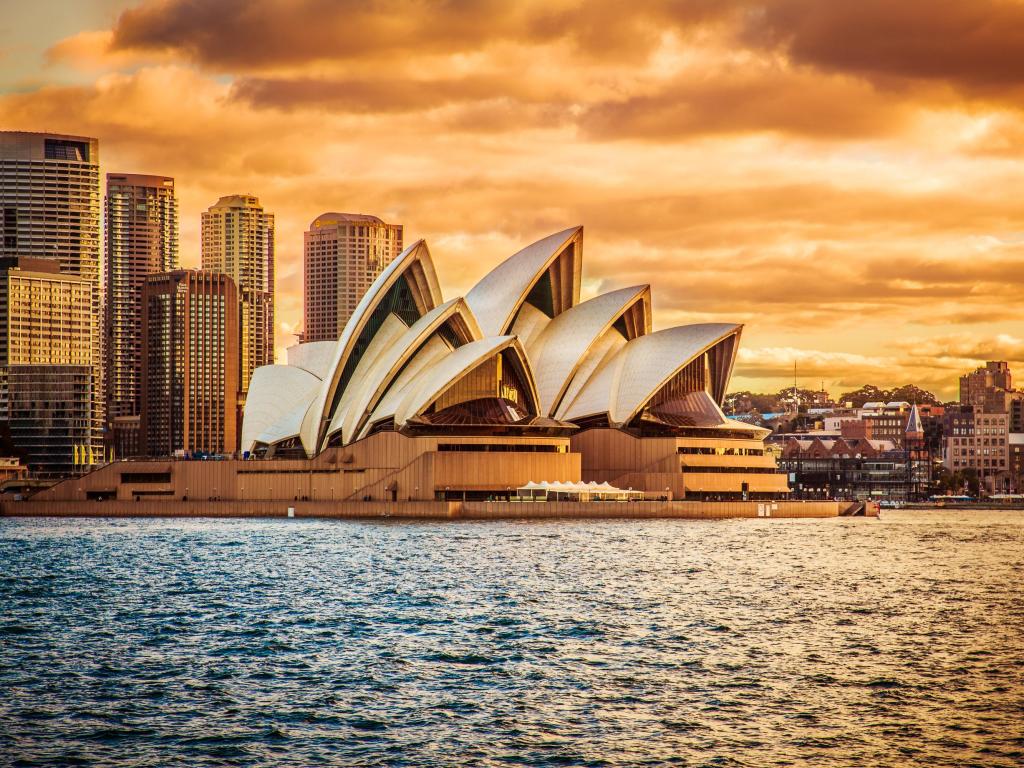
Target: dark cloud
[
  {"x": 822, "y": 70},
  {"x": 358, "y": 95},
  {"x": 393, "y": 94},
  {"x": 260, "y": 34},
  {"x": 976, "y": 46}
]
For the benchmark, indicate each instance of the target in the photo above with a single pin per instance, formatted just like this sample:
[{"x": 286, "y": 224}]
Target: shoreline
[
  {"x": 966, "y": 505},
  {"x": 442, "y": 510}
]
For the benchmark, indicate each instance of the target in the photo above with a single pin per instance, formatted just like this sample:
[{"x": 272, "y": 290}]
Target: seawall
[{"x": 439, "y": 510}]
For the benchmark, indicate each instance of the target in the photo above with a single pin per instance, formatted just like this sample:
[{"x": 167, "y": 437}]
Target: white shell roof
[
  {"x": 314, "y": 356},
  {"x": 391, "y": 331},
  {"x": 369, "y": 388},
  {"x": 600, "y": 353},
  {"x": 530, "y": 324},
  {"x": 449, "y": 370},
  {"x": 495, "y": 299},
  {"x": 557, "y": 352},
  {"x": 626, "y": 382},
  {"x": 417, "y": 252},
  {"x": 650, "y": 361},
  {"x": 285, "y": 428},
  {"x": 431, "y": 353},
  {"x": 274, "y": 391}
]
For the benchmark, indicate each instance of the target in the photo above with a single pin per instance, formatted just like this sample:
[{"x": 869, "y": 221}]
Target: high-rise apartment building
[
  {"x": 47, "y": 379},
  {"x": 141, "y": 217},
  {"x": 344, "y": 253},
  {"x": 190, "y": 368},
  {"x": 50, "y": 209},
  {"x": 238, "y": 240}
]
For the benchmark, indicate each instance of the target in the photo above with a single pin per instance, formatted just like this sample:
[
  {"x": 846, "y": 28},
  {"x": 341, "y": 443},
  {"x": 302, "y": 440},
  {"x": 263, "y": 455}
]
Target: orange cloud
[
  {"x": 972, "y": 44},
  {"x": 842, "y": 180}
]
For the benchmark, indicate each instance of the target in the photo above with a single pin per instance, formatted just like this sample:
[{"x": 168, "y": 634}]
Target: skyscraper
[
  {"x": 46, "y": 366},
  {"x": 50, "y": 209},
  {"x": 344, "y": 253},
  {"x": 190, "y": 368},
  {"x": 238, "y": 240},
  {"x": 141, "y": 216}
]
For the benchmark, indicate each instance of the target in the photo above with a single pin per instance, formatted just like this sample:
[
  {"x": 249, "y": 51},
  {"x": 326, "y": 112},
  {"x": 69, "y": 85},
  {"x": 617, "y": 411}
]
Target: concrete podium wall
[{"x": 435, "y": 510}]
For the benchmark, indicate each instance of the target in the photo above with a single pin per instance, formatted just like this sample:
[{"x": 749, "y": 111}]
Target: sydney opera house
[{"x": 471, "y": 398}]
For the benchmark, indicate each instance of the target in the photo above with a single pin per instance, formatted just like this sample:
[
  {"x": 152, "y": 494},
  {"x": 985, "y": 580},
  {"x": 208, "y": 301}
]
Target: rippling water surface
[{"x": 845, "y": 642}]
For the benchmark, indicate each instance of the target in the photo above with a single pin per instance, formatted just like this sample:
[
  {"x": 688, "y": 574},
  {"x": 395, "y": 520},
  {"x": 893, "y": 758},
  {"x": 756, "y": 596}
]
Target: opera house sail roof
[{"x": 520, "y": 354}]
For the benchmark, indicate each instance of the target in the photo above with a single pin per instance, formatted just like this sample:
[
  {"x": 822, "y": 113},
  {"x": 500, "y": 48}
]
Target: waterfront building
[
  {"x": 238, "y": 240},
  {"x": 880, "y": 453},
  {"x": 920, "y": 454},
  {"x": 860, "y": 468},
  {"x": 141, "y": 217},
  {"x": 1015, "y": 451},
  {"x": 1017, "y": 413},
  {"x": 47, "y": 381},
  {"x": 343, "y": 254},
  {"x": 879, "y": 421},
  {"x": 471, "y": 398},
  {"x": 190, "y": 372},
  {"x": 50, "y": 210},
  {"x": 978, "y": 440},
  {"x": 11, "y": 468}
]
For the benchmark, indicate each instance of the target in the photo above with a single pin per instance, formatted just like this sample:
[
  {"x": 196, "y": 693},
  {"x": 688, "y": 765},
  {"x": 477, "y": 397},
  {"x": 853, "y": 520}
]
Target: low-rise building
[
  {"x": 11, "y": 468},
  {"x": 847, "y": 468}
]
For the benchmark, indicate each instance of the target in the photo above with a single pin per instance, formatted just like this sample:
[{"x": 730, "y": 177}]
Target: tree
[
  {"x": 971, "y": 480},
  {"x": 912, "y": 393},
  {"x": 748, "y": 402},
  {"x": 957, "y": 481},
  {"x": 867, "y": 394}
]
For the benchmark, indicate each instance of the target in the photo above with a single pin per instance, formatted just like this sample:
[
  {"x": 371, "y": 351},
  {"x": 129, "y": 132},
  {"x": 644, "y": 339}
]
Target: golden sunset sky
[{"x": 844, "y": 178}]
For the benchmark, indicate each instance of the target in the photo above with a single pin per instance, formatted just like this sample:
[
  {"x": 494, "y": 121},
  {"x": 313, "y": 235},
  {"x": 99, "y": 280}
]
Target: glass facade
[
  {"x": 47, "y": 376},
  {"x": 50, "y": 210}
]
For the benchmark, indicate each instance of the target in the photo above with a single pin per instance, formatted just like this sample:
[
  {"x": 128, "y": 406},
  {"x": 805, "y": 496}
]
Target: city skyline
[{"x": 794, "y": 181}]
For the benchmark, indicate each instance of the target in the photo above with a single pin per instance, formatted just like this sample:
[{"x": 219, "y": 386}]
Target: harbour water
[{"x": 837, "y": 642}]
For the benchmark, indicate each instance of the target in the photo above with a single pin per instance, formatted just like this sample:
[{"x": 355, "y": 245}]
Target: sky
[{"x": 845, "y": 179}]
